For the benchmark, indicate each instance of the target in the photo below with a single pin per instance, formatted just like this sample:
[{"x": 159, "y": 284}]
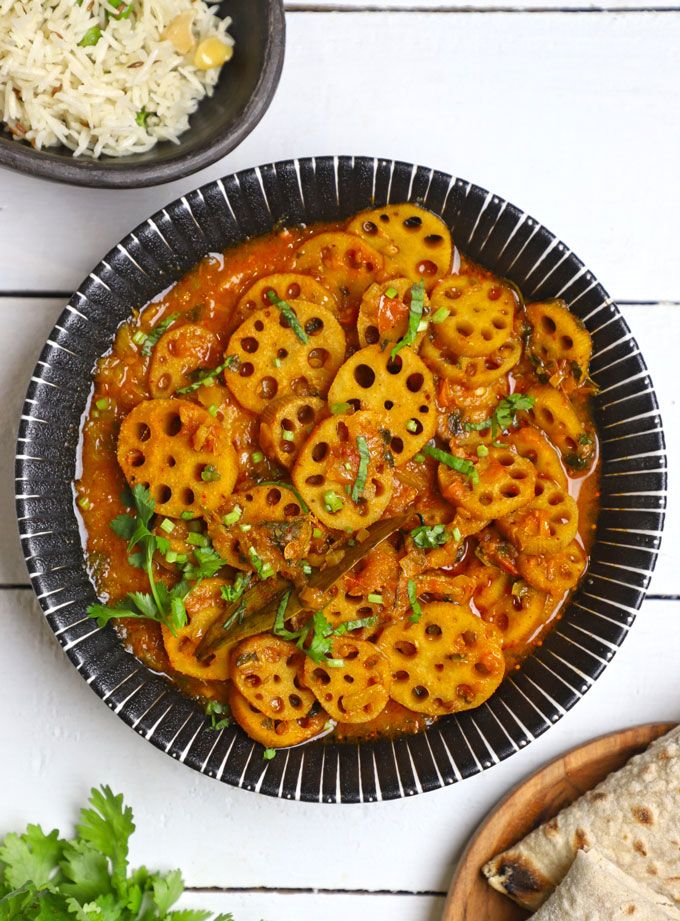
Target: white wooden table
[{"x": 572, "y": 114}]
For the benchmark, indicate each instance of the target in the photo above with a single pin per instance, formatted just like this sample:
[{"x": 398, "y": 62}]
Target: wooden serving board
[{"x": 537, "y": 799}]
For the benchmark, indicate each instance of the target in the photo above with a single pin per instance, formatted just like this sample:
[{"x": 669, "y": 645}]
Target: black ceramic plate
[
  {"x": 243, "y": 94},
  {"x": 499, "y": 236}
]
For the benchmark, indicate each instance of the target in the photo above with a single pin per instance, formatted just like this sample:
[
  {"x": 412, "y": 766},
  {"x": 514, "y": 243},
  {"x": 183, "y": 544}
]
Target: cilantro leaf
[
  {"x": 415, "y": 315},
  {"x": 107, "y": 825},
  {"x": 31, "y": 857},
  {"x": 166, "y": 890}
]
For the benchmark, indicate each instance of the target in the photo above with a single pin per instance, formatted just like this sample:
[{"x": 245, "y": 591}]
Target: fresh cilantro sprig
[
  {"x": 163, "y": 604},
  {"x": 504, "y": 415},
  {"x": 415, "y": 315},
  {"x": 315, "y": 639},
  {"x": 219, "y": 714},
  {"x": 208, "y": 377},
  {"x": 44, "y": 877}
]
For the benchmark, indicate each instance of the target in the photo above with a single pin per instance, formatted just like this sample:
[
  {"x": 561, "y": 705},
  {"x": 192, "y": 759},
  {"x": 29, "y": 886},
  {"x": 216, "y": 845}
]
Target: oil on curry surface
[{"x": 359, "y": 393}]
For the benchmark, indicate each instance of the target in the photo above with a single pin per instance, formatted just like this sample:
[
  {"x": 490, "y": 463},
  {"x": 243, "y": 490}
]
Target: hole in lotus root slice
[
  {"x": 401, "y": 391},
  {"x": 414, "y": 242},
  {"x": 288, "y": 286},
  {"x": 344, "y": 264},
  {"x": 178, "y": 352},
  {"x": 449, "y": 661},
  {"x": 275, "y": 507},
  {"x": 264, "y": 374},
  {"x": 326, "y": 483},
  {"x": 433, "y": 585},
  {"x": 274, "y": 733},
  {"x": 554, "y": 413},
  {"x": 268, "y": 672},
  {"x": 348, "y": 604},
  {"x": 518, "y": 610},
  {"x": 183, "y": 440},
  {"x": 506, "y": 483},
  {"x": 469, "y": 372},
  {"x": 558, "y": 335},
  {"x": 557, "y": 573},
  {"x": 286, "y": 424},
  {"x": 547, "y": 525},
  {"x": 531, "y": 444},
  {"x": 356, "y": 692},
  {"x": 481, "y": 314},
  {"x": 384, "y": 318},
  {"x": 204, "y": 604}
]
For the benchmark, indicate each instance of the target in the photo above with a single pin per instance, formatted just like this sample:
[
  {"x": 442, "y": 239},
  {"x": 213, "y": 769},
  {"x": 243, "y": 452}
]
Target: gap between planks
[
  {"x": 260, "y": 890},
  {"x": 293, "y": 7}
]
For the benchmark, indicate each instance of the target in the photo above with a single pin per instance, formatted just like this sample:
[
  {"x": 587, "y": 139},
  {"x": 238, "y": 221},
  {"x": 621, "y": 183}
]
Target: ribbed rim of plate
[{"x": 498, "y": 235}]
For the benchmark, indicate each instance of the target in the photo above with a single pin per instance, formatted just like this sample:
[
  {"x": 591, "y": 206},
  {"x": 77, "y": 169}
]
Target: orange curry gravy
[{"x": 207, "y": 296}]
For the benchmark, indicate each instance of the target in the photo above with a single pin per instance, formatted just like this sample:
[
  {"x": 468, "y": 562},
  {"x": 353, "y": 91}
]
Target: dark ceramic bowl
[
  {"x": 499, "y": 236},
  {"x": 242, "y": 96}
]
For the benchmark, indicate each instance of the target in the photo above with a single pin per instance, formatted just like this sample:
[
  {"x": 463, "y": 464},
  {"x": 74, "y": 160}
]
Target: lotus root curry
[{"x": 340, "y": 479}]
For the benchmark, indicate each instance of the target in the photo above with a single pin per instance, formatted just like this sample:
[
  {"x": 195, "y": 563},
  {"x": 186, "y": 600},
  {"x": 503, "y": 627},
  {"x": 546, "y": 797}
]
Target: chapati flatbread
[
  {"x": 632, "y": 817},
  {"x": 595, "y": 889}
]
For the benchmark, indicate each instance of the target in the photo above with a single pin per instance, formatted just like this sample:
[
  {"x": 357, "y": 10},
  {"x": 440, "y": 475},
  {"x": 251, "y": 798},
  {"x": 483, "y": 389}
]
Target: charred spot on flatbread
[
  {"x": 643, "y": 815},
  {"x": 516, "y": 877}
]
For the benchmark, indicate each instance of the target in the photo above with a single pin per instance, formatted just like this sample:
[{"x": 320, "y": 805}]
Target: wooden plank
[
  {"x": 312, "y": 906},
  {"x": 483, "y": 6},
  {"x": 63, "y": 740},
  {"x": 26, "y": 322},
  {"x": 559, "y": 127}
]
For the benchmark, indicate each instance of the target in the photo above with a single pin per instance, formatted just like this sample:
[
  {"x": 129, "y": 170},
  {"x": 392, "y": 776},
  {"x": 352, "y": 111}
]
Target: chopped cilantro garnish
[
  {"x": 234, "y": 592},
  {"x": 219, "y": 713},
  {"x": 505, "y": 414},
  {"x": 426, "y": 537},
  {"x": 289, "y": 314},
  {"x": 459, "y": 464},
  {"x": 415, "y": 315},
  {"x": 208, "y": 378},
  {"x": 362, "y": 472},
  {"x": 156, "y": 333},
  {"x": 417, "y": 611}
]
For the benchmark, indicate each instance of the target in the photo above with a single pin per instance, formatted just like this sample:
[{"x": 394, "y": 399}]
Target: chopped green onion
[
  {"x": 287, "y": 436},
  {"x": 362, "y": 472},
  {"x": 375, "y": 599},
  {"x": 85, "y": 503},
  {"x": 412, "y": 426},
  {"x": 391, "y": 291},
  {"x": 482, "y": 451},
  {"x": 440, "y": 315},
  {"x": 212, "y": 409},
  {"x": 456, "y": 534},
  {"x": 459, "y": 464},
  {"x": 210, "y": 474},
  {"x": 355, "y": 625},
  {"x": 422, "y": 326},
  {"x": 306, "y": 568},
  {"x": 426, "y": 537},
  {"x": 277, "y": 362},
  {"x": 317, "y": 533},
  {"x": 332, "y": 501},
  {"x": 233, "y": 516},
  {"x": 413, "y": 600},
  {"x": 91, "y": 37},
  {"x": 264, "y": 570},
  {"x": 415, "y": 315},
  {"x": 198, "y": 540},
  {"x": 289, "y": 315},
  {"x": 171, "y": 556},
  {"x": 268, "y": 754},
  {"x": 257, "y": 457},
  {"x": 245, "y": 527},
  {"x": 419, "y": 458},
  {"x": 339, "y": 408},
  {"x": 167, "y": 526},
  {"x": 104, "y": 403},
  {"x": 141, "y": 117},
  {"x": 139, "y": 337},
  {"x": 187, "y": 515}
]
